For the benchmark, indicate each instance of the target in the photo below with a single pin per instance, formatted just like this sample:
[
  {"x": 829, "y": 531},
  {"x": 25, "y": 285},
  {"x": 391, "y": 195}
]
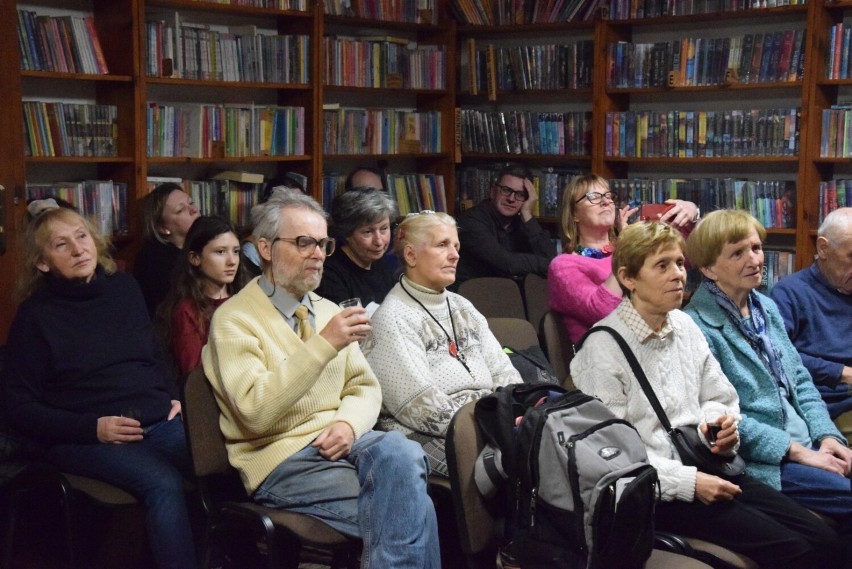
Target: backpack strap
[{"x": 637, "y": 371}]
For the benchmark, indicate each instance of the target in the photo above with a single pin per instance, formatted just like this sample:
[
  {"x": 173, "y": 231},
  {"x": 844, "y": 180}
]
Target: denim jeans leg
[
  {"x": 307, "y": 483},
  {"x": 145, "y": 469},
  {"x": 397, "y": 516}
]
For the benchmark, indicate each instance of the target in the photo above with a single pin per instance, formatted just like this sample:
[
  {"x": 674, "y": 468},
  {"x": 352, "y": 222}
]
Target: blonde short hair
[
  {"x": 36, "y": 237},
  {"x": 640, "y": 240},
  {"x": 716, "y": 230},
  {"x": 579, "y": 186},
  {"x": 414, "y": 230}
]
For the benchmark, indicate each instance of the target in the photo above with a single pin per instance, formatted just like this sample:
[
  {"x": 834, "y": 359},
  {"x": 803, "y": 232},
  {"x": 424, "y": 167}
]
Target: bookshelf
[
  {"x": 525, "y": 95},
  {"x": 132, "y": 84},
  {"x": 685, "y": 101},
  {"x": 388, "y": 94},
  {"x": 196, "y": 87}
]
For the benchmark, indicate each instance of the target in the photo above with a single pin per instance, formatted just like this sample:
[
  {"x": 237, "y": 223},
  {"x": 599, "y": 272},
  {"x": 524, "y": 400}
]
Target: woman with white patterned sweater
[{"x": 431, "y": 349}]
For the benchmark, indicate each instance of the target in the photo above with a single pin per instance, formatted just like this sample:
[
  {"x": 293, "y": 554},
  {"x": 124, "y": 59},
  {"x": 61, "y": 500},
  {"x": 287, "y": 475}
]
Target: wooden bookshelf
[{"x": 121, "y": 27}]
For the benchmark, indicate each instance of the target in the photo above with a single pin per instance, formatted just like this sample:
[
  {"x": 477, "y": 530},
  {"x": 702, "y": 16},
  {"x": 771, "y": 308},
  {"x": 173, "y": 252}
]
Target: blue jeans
[
  {"x": 822, "y": 491},
  {"x": 152, "y": 470},
  {"x": 377, "y": 493}
]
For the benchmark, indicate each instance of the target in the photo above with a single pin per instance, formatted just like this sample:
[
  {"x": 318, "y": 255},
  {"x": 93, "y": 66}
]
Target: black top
[
  {"x": 153, "y": 268},
  {"x": 80, "y": 351},
  {"x": 493, "y": 245},
  {"x": 343, "y": 279}
]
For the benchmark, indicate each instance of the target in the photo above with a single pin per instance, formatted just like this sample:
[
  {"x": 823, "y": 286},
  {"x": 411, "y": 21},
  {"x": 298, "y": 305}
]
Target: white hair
[{"x": 835, "y": 224}]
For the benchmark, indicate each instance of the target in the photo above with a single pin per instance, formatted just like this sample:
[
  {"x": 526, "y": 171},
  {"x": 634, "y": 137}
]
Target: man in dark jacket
[{"x": 500, "y": 237}]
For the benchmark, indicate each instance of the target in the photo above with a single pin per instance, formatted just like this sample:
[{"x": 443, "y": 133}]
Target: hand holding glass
[{"x": 350, "y": 303}]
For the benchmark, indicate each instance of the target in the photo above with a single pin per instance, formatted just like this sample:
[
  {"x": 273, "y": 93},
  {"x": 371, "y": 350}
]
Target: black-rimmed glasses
[
  {"x": 306, "y": 245},
  {"x": 596, "y": 197},
  {"x": 506, "y": 191}
]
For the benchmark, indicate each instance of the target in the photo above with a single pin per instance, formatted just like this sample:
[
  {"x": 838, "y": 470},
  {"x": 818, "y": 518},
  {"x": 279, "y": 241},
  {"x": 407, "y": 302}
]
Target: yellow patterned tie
[{"x": 305, "y": 330}]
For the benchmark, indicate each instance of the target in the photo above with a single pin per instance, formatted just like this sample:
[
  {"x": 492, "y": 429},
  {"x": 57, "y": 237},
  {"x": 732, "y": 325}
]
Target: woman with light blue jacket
[{"x": 787, "y": 437}]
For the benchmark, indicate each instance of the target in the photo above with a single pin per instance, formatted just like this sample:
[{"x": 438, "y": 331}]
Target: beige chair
[
  {"x": 558, "y": 346},
  {"x": 280, "y": 532},
  {"x": 535, "y": 298},
  {"x": 513, "y": 332},
  {"x": 494, "y": 297},
  {"x": 477, "y": 517}
]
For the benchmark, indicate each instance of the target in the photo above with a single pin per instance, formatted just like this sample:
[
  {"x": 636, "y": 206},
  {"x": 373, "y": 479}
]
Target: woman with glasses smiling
[{"x": 581, "y": 285}]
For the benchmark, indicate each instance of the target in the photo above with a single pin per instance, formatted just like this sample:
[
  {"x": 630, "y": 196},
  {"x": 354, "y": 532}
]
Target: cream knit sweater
[{"x": 277, "y": 393}]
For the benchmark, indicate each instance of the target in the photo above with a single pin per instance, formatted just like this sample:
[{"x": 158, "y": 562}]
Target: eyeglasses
[
  {"x": 596, "y": 197},
  {"x": 506, "y": 192},
  {"x": 306, "y": 245}
]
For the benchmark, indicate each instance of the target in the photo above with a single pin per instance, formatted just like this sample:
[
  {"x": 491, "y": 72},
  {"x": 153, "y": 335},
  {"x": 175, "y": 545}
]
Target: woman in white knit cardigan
[
  {"x": 431, "y": 350},
  {"x": 744, "y": 514}
]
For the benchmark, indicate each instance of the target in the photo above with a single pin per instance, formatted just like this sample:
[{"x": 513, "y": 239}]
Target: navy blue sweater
[{"x": 77, "y": 352}]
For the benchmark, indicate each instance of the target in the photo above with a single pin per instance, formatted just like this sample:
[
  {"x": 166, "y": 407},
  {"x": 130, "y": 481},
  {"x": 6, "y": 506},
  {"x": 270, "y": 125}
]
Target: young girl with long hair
[{"x": 207, "y": 274}]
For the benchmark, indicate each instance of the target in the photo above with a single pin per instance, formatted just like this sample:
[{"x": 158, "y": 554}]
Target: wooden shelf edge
[
  {"x": 721, "y": 87},
  {"x": 356, "y": 22},
  {"x": 58, "y": 75},
  {"x": 521, "y": 157},
  {"x": 227, "y": 84},
  {"x": 228, "y": 8},
  {"x": 703, "y": 160},
  {"x": 751, "y": 13},
  {"x": 394, "y": 90},
  {"x": 224, "y": 159},
  {"x": 78, "y": 159}
]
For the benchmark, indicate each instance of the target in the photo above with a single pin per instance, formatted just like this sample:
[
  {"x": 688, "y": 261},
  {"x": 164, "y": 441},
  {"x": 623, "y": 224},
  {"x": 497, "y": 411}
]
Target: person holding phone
[
  {"x": 500, "y": 236},
  {"x": 581, "y": 285}
]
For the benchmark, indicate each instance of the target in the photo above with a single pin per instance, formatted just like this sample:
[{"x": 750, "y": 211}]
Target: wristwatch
[{"x": 697, "y": 217}]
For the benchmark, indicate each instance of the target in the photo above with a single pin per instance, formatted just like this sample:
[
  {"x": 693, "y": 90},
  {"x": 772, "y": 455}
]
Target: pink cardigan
[{"x": 576, "y": 291}]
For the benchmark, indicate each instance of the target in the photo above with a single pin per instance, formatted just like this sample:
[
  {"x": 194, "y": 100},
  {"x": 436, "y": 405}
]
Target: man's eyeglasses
[
  {"x": 306, "y": 245},
  {"x": 596, "y": 197},
  {"x": 506, "y": 192}
]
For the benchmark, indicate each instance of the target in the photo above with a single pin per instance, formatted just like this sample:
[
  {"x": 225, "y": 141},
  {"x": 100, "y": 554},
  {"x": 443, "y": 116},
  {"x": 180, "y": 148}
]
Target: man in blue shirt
[{"x": 816, "y": 304}]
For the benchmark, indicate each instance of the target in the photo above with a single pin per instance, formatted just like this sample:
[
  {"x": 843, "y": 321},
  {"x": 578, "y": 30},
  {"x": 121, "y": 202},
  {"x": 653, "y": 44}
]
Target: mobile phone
[{"x": 654, "y": 211}]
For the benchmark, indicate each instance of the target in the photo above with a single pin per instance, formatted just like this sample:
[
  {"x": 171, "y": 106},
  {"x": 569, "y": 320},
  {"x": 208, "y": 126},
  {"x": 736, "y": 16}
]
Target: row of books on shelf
[
  {"x": 407, "y": 11},
  {"x": 474, "y": 184},
  {"x": 637, "y": 9},
  {"x": 750, "y": 58},
  {"x": 194, "y": 51},
  {"x": 298, "y": 5},
  {"x": 215, "y": 131},
  {"x": 834, "y": 194},
  {"x": 222, "y": 196},
  {"x": 777, "y": 264},
  {"x": 772, "y": 202},
  {"x": 355, "y": 130},
  {"x": 383, "y": 62},
  {"x": 509, "y": 12},
  {"x": 839, "y": 45},
  {"x": 702, "y": 134},
  {"x": 522, "y": 67},
  {"x": 69, "y": 129},
  {"x": 836, "y": 133},
  {"x": 526, "y": 132},
  {"x": 66, "y": 44},
  {"x": 104, "y": 202},
  {"x": 413, "y": 192}
]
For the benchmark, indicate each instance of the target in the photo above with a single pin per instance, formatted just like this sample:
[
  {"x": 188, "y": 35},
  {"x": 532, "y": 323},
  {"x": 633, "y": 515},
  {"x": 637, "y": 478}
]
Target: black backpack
[{"x": 578, "y": 488}]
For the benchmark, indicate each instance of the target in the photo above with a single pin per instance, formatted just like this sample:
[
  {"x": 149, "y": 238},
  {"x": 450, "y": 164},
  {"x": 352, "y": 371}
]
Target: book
[{"x": 240, "y": 176}]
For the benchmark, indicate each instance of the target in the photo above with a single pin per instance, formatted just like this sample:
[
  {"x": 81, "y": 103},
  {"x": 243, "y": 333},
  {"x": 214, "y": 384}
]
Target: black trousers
[{"x": 761, "y": 523}]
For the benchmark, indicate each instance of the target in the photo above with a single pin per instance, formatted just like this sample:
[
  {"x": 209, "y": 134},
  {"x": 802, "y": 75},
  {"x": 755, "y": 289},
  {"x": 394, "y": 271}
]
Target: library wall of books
[{"x": 728, "y": 103}]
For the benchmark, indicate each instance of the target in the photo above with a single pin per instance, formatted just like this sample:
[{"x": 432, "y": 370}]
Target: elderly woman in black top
[
  {"x": 85, "y": 379},
  {"x": 361, "y": 220}
]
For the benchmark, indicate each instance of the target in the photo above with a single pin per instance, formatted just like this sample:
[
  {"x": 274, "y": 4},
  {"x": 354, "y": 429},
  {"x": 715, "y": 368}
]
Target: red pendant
[{"x": 454, "y": 350}]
